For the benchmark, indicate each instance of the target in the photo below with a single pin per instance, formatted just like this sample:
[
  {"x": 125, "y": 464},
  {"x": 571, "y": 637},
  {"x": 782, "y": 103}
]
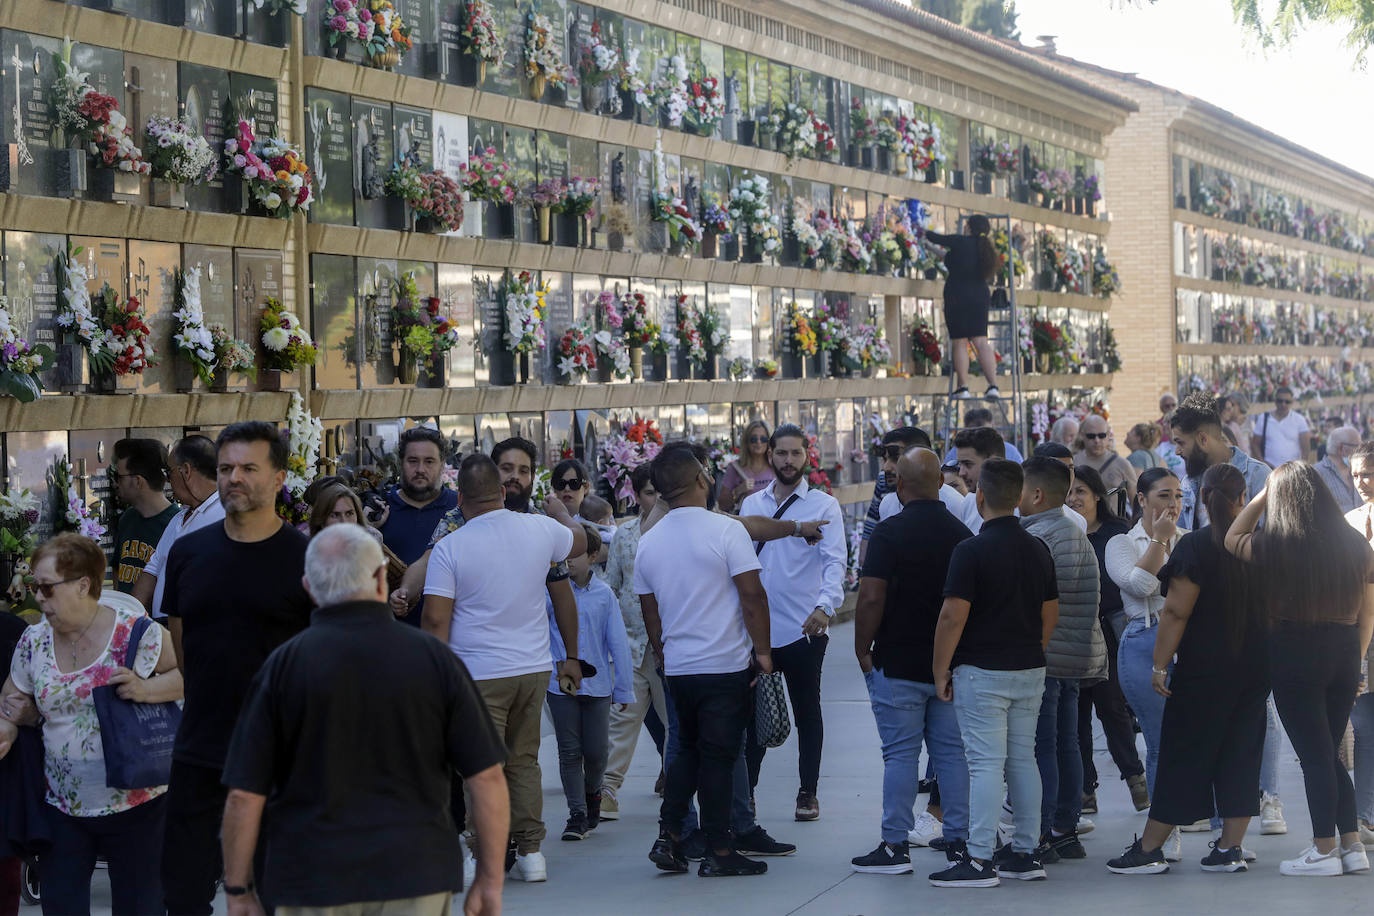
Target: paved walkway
[{"x": 610, "y": 874}]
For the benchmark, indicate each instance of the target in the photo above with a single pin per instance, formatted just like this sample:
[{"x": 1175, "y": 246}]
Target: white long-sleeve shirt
[
  {"x": 797, "y": 576},
  {"x": 1140, "y": 597},
  {"x": 183, "y": 523}
]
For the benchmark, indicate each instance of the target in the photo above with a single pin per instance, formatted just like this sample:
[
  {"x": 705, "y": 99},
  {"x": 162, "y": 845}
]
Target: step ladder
[{"x": 1008, "y": 411}]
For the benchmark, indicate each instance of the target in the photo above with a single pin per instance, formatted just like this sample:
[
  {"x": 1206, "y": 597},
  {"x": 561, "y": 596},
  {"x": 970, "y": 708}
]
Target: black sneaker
[
  {"x": 667, "y": 854},
  {"x": 887, "y": 859},
  {"x": 693, "y": 846},
  {"x": 1090, "y": 803},
  {"x": 955, "y": 850},
  {"x": 925, "y": 786},
  {"x": 940, "y": 844},
  {"x": 1019, "y": 865},
  {"x": 967, "y": 872},
  {"x": 757, "y": 842},
  {"x": 1067, "y": 846},
  {"x": 577, "y": 828},
  {"x": 1137, "y": 861},
  {"x": 1219, "y": 859},
  {"x": 731, "y": 865},
  {"x": 593, "y": 810},
  {"x": 1046, "y": 853}
]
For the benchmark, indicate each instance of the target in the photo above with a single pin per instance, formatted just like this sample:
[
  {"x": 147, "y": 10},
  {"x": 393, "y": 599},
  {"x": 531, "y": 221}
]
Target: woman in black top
[
  {"x": 1088, "y": 497},
  {"x": 972, "y": 263},
  {"x": 1211, "y": 739}
]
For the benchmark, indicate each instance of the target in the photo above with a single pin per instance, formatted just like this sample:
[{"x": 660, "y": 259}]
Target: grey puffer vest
[{"x": 1077, "y": 649}]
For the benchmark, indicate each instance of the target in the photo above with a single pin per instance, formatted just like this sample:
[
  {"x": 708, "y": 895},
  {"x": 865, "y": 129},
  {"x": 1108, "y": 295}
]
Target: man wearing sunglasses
[
  {"x": 1097, "y": 453},
  {"x": 1281, "y": 435},
  {"x": 137, "y": 476}
]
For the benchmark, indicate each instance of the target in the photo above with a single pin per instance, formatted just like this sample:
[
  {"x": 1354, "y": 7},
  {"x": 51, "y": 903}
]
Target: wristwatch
[
  {"x": 829, "y": 611},
  {"x": 796, "y": 529},
  {"x": 234, "y": 890}
]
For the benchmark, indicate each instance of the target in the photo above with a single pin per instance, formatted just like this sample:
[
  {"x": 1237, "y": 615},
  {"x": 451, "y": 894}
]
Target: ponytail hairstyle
[
  {"x": 1147, "y": 481},
  {"x": 989, "y": 261},
  {"x": 1223, "y": 492}
]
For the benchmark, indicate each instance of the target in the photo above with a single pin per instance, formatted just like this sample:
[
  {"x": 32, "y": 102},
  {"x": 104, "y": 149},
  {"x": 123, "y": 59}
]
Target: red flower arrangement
[
  {"x": 128, "y": 342},
  {"x": 816, "y": 477},
  {"x": 642, "y": 431},
  {"x": 638, "y": 329},
  {"x": 825, "y": 136},
  {"x": 925, "y": 346}
]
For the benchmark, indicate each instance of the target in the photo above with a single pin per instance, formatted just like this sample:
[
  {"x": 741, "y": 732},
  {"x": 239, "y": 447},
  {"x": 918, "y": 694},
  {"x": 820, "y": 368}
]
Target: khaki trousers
[
  {"x": 516, "y": 704},
  {"x": 429, "y": 905},
  {"x": 626, "y": 725}
]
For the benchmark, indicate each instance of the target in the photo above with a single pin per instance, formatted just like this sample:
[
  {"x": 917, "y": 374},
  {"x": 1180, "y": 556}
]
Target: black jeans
[
  {"x": 191, "y": 858},
  {"x": 1315, "y": 671},
  {"x": 1115, "y": 718},
  {"x": 130, "y": 841},
  {"x": 712, "y": 712},
  {"x": 800, "y": 663}
]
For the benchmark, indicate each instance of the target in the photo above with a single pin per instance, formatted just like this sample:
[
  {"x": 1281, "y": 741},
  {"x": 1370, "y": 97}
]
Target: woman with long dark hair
[
  {"x": 973, "y": 262},
  {"x": 750, "y": 472},
  {"x": 1314, "y": 572},
  {"x": 1211, "y": 737},
  {"x": 1088, "y": 497}
]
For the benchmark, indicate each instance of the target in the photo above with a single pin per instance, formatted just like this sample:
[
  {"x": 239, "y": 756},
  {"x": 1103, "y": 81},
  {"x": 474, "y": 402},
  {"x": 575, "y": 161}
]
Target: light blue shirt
[
  {"x": 1193, "y": 515},
  {"x": 601, "y": 640}
]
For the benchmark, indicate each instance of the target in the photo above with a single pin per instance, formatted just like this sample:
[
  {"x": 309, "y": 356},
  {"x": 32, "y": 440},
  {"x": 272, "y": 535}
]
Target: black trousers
[
  {"x": 800, "y": 663},
  {"x": 1315, "y": 670},
  {"x": 191, "y": 856},
  {"x": 712, "y": 713},
  {"x": 130, "y": 841},
  {"x": 1115, "y": 717}
]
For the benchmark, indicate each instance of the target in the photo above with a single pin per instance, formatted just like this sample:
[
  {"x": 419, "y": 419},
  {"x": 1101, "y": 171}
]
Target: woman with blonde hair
[
  {"x": 750, "y": 472},
  {"x": 1142, "y": 439}
]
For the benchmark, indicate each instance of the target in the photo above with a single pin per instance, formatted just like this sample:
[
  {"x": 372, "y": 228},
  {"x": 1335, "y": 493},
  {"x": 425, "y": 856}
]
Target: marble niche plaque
[
  {"x": 216, "y": 265},
  {"x": 152, "y": 266},
  {"x": 31, "y": 285},
  {"x": 449, "y": 153},
  {"x": 376, "y": 294},
  {"x": 373, "y": 154},
  {"x": 29, "y": 136},
  {"x": 329, "y": 152},
  {"x": 456, "y": 302},
  {"x": 335, "y": 321},
  {"x": 257, "y": 275},
  {"x": 205, "y": 106}
]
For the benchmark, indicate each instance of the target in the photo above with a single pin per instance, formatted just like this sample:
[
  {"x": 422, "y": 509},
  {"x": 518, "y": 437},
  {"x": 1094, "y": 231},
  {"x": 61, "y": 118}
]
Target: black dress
[{"x": 966, "y": 294}]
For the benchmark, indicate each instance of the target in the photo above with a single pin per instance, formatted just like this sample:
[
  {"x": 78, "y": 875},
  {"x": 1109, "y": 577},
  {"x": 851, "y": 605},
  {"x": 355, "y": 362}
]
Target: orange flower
[{"x": 283, "y": 175}]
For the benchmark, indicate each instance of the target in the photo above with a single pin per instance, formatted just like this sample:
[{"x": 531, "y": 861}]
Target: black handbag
[{"x": 137, "y": 737}]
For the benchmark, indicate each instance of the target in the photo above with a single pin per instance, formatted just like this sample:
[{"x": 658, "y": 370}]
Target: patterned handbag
[{"x": 772, "y": 725}]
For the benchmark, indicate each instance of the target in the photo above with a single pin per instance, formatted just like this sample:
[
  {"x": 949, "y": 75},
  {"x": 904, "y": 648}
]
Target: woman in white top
[{"x": 1134, "y": 560}]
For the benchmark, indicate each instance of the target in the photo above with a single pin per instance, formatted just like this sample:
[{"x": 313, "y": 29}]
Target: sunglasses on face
[
  {"x": 45, "y": 588},
  {"x": 755, "y": 440},
  {"x": 892, "y": 452},
  {"x": 1095, "y": 435},
  {"x": 1283, "y": 401},
  {"x": 569, "y": 483}
]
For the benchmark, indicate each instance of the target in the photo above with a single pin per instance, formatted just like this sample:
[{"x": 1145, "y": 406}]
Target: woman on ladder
[{"x": 972, "y": 263}]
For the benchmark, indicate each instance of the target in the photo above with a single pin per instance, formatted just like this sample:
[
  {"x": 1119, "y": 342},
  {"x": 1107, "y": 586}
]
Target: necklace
[{"x": 75, "y": 642}]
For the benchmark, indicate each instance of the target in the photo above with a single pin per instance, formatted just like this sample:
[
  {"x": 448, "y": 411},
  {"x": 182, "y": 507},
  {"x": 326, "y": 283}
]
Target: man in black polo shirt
[
  {"x": 351, "y": 728},
  {"x": 1001, "y": 605},
  {"x": 894, "y": 637},
  {"x": 233, "y": 594}
]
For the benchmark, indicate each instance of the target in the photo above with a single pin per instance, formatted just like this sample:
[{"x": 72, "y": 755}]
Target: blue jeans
[
  {"x": 906, "y": 712},
  {"x": 741, "y": 817},
  {"x": 997, "y": 712},
  {"x": 1058, "y": 757},
  {"x": 1362, "y": 718},
  {"x": 1134, "y": 663}
]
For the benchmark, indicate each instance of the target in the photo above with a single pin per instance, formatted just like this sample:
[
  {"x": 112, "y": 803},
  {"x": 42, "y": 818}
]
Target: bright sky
[{"x": 1310, "y": 93}]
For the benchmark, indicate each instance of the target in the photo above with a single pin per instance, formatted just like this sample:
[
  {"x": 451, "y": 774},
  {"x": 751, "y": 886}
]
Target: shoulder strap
[
  {"x": 786, "y": 504},
  {"x": 135, "y": 637}
]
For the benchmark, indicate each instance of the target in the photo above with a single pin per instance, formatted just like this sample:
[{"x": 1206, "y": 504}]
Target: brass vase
[{"x": 537, "y": 86}]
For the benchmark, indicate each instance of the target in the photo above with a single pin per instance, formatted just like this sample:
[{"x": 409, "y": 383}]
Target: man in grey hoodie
[{"x": 1076, "y": 656}]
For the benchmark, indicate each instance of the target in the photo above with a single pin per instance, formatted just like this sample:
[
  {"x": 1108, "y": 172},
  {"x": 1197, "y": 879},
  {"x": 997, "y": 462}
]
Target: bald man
[
  {"x": 1335, "y": 467},
  {"x": 900, "y": 595},
  {"x": 1098, "y": 454}
]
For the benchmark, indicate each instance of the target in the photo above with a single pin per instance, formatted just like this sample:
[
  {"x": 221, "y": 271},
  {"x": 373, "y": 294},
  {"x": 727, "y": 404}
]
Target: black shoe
[
  {"x": 693, "y": 846},
  {"x": 967, "y": 872},
  {"x": 1019, "y": 865},
  {"x": 593, "y": 810},
  {"x": 757, "y": 842},
  {"x": 1090, "y": 803},
  {"x": 1067, "y": 846},
  {"x": 1046, "y": 853},
  {"x": 511, "y": 852},
  {"x": 577, "y": 828},
  {"x": 955, "y": 850},
  {"x": 667, "y": 854},
  {"x": 924, "y": 786},
  {"x": 887, "y": 859},
  {"x": 1219, "y": 859},
  {"x": 1137, "y": 861},
  {"x": 731, "y": 865},
  {"x": 940, "y": 844}
]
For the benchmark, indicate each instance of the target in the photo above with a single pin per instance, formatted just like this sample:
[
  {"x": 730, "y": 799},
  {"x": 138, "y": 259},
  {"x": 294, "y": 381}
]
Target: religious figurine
[
  {"x": 729, "y": 124},
  {"x": 618, "y": 178},
  {"x": 689, "y": 193},
  {"x": 373, "y": 178}
]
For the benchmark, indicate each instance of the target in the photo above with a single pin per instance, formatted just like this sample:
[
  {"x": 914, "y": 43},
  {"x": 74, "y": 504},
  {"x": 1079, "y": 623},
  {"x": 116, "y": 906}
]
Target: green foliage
[
  {"x": 992, "y": 17},
  {"x": 1274, "y": 23}
]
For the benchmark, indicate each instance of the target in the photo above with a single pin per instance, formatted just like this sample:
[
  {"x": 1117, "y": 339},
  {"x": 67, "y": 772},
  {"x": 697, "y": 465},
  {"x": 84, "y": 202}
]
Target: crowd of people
[{"x": 1210, "y": 599}]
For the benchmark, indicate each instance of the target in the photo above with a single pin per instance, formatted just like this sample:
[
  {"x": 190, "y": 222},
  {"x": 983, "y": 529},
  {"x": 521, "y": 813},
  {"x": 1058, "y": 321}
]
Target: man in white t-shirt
[
  {"x": 704, "y": 606},
  {"x": 192, "y": 467},
  {"x": 484, "y": 596},
  {"x": 1281, "y": 435}
]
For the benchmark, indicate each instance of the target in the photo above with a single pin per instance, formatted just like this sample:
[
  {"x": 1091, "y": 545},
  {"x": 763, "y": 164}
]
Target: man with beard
[
  {"x": 416, "y": 505},
  {"x": 234, "y": 593},
  {"x": 1199, "y": 440},
  {"x": 805, "y": 585}
]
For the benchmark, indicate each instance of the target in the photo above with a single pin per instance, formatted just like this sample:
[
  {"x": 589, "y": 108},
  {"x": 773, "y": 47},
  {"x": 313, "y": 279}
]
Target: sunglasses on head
[
  {"x": 1095, "y": 435},
  {"x": 45, "y": 588},
  {"x": 569, "y": 483}
]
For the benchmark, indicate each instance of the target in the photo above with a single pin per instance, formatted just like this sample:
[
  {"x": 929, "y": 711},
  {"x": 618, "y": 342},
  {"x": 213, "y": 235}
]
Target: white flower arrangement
[
  {"x": 751, "y": 210},
  {"x": 670, "y": 88},
  {"x": 177, "y": 153},
  {"x": 631, "y": 81},
  {"x": 808, "y": 239},
  {"x": 306, "y": 432},
  {"x": 614, "y": 349},
  {"x": 192, "y": 338},
  {"x": 76, "y": 513},
  {"x": 76, "y": 314},
  {"x": 542, "y": 57}
]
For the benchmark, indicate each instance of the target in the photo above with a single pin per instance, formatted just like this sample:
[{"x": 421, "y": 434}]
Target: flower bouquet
[
  {"x": 128, "y": 346},
  {"x": 766, "y": 368},
  {"x": 751, "y": 208},
  {"x": 925, "y": 348},
  {"x": 579, "y": 197},
  {"x": 231, "y": 354},
  {"x": 690, "y": 346},
  {"x": 177, "y": 156},
  {"x": 794, "y": 129},
  {"x": 191, "y": 340},
  {"x": 825, "y": 138},
  {"x": 524, "y": 313},
  {"x": 714, "y": 335},
  {"x": 93, "y": 120},
  {"x": 621, "y": 453},
  {"x": 863, "y": 134},
  {"x": 808, "y": 239},
  {"x": 275, "y": 172},
  {"x": 19, "y": 513},
  {"x": 1106, "y": 281},
  {"x": 600, "y": 61},
  {"x": 715, "y": 224},
  {"x": 305, "y": 433},
  {"x": 705, "y": 104},
  {"x": 488, "y": 179},
  {"x": 20, "y": 362},
  {"x": 801, "y": 341},
  {"x": 285, "y": 344},
  {"x": 435, "y": 199},
  {"x": 996, "y": 158},
  {"x": 576, "y": 355},
  {"x": 873, "y": 347},
  {"x": 669, "y": 89},
  {"x": 612, "y": 355},
  {"x": 72, "y": 512},
  {"x": 543, "y": 59},
  {"x": 375, "y": 25},
  {"x": 545, "y": 196},
  {"x": 480, "y": 40}
]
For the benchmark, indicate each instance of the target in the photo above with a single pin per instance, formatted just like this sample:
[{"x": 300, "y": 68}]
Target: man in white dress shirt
[
  {"x": 805, "y": 585},
  {"x": 192, "y": 467}
]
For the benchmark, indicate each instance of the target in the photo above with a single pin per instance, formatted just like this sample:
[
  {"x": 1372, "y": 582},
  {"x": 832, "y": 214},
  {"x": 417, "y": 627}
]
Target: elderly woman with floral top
[
  {"x": 648, "y": 685},
  {"x": 80, "y": 645}
]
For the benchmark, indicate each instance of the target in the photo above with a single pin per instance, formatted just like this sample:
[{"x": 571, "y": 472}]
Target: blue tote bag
[{"x": 137, "y": 737}]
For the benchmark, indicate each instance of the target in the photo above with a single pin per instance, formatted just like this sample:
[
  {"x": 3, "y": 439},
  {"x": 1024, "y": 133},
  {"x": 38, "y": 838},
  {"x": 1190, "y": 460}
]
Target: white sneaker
[
  {"x": 1085, "y": 825},
  {"x": 1366, "y": 835},
  {"x": 610, "y": 805},
  {"x": 1247, "y": 854},
  {"x": 530, "y": 868},
  {"x": 1353, "y": 859},
  {"x": 927, "y": 828},
  {"x": 1271, "y": 816},
  {"x": 1173, "y": 847},
  {"x": 992, "y": 393},
  {"x": 1313, "y": 864},
  {"x": 1201, "y": 826}
]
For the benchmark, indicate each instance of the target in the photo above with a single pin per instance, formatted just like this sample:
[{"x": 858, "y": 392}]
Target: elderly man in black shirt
[{"x": 350, "y": 729}]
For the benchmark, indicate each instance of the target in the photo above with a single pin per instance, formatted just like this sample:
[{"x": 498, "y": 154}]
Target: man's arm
[
  {"x": 555, "y": 510},
  {"x": 565, "y": 615},
  {"x": 491, "y": 820},
  {"x": 753, "y": 602},
  {"x": 949, "y": 629},
  {"x": 174, "y": 627},
  {"x": 653, "y": 624},
  {"x": 1049, "y": 619},
  {"x": 868, "y": 615},
  {"x": 437, "y": 616},
  {"x": 242, "y": 820},
  {"x": 1257, "y": 446},
  {"x": 412, "y": 583},
  {"x": 144, "y": 588},
  {"x": 766, "y": 528}
]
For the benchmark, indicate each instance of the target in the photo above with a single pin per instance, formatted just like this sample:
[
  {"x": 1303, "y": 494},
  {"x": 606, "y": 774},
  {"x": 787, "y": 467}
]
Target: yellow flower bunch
[{"x": 803, "y": 335}]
